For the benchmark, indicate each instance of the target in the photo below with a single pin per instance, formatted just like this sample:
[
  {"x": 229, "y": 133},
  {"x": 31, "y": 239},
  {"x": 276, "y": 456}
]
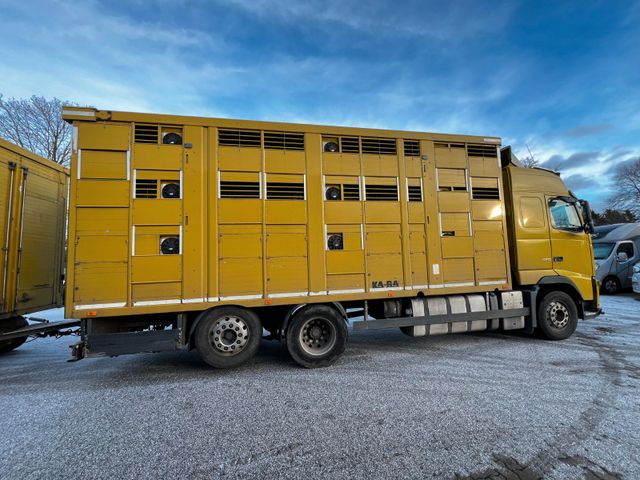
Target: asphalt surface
[{"x": 476, "y": 406}]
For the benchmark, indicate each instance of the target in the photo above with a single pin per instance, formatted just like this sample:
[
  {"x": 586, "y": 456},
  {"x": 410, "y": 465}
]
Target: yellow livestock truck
[
  {"x": 198, "y": 233},
  {"x": 33, "y": 201}
]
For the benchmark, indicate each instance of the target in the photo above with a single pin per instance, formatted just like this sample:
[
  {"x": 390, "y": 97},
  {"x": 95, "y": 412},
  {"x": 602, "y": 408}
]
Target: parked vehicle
[
  {"x": 635, "y": 278},
  {"x": 33, "y": 201},
  {"x": 616, "y": 249},
  {"x": 197, "y": 233}
]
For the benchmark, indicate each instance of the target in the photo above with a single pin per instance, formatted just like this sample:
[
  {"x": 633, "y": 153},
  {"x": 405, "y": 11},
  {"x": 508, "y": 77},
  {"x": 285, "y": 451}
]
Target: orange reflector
[
  {"x": 92, "y": 313},
  {"x": 391, "y": 294},
  {"x": 267, "y": 302}
]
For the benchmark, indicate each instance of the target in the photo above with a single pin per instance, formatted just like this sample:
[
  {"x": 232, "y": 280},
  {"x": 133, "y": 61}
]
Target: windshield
[{"x": 602, "y": 250}]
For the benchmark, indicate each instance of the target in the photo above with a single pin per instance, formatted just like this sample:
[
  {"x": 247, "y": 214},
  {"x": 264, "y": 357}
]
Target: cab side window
[
  {"x": 564, "y": 216},
  {"x": 626, "y": 248}
]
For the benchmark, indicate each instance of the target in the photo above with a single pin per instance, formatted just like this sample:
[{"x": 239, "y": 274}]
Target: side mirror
[
  {"x": 585, "y": 209},
  {"x": 622, "y": 257}
]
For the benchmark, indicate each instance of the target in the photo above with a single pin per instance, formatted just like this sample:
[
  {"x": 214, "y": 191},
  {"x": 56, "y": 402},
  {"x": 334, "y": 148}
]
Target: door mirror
[
  {"x": 622, "y": 257},
  {"x": 585, "y": 210}
]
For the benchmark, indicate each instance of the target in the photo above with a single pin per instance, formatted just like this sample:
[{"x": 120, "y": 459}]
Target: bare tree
[
  {"x": 36, "y": 124},
  {"x": 627, "y": 187},
  {"x": 529, "y": 161}
]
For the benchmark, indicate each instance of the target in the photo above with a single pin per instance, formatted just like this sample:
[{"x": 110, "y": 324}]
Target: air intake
[
  {"x": 382, "y": 192},
  {"x": 379, "y": 146},
  {"x": 284, "y": 141},
  {"x": 411, "y": 148},
  {"x": 351, "y": 191},
  {"x": 482, "y": 151},
  {"x": 146, "y": 133},
  {"x": 415, "y": 193},
  {"x": 285, "y": 191},
  {"x": 233, "y": 137},
  {"x": 233, "y": 189},
  {"x": 146, "y": 188},
  {"x": 350, "y": 145}
]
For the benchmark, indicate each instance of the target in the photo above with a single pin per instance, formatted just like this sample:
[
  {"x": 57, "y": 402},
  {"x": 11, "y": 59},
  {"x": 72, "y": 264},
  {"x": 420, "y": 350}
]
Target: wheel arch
[{"x": 563, "y": 284}]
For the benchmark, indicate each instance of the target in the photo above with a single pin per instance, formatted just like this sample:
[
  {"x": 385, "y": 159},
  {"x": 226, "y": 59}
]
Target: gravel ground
[{"x": 460, "y": 406}]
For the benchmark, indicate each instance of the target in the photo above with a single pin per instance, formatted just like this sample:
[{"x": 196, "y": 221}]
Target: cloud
[
  {"x": 579, "y": 182},
  {"x": 588, "y": 130},
  {"x": 579, "y": 159}
]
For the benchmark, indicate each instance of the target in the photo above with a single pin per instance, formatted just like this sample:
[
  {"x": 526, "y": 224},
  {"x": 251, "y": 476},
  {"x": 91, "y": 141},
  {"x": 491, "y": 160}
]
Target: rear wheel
[
  {"x": 13, "y": 324},
  {"x": 227, "y": 337},
  {"x": 610, "y": 286},
  {"x": 316, "y": 336},
  {"x": 557, "y": 316}
]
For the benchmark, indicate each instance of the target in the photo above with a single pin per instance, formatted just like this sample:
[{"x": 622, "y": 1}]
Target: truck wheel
[
  {"x": 610, "y": 286},
  {"x": 316, "y": 336},
  {"x": 226, "y": 337},
  {"x": 557, "y": 316},
  {"x": 13, "y": 324}
]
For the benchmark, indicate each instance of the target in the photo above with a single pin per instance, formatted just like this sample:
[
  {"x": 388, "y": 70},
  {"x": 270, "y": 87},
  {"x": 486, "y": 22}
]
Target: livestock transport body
[
  {"x": 189, "y": 232},
  {"x": 33, "y": 201}
]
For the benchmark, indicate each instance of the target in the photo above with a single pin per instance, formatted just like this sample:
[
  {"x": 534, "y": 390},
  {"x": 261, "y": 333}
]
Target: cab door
[{"x": 570, "y": 245}]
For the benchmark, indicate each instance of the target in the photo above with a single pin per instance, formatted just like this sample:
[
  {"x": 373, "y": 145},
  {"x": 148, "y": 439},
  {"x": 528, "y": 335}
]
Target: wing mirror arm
[{"x": 588, "y": 217}]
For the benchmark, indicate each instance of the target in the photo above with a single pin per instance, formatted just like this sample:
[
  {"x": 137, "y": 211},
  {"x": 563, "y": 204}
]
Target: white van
[{"x": 616, "y": 249}]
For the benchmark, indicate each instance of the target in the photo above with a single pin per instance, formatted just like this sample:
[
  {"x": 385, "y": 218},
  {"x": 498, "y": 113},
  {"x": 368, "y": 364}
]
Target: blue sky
[{"x": 561, "y": 77}]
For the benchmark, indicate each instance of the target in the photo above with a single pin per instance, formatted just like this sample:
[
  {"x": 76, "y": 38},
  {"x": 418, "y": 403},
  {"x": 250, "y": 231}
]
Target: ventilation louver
[
  {"x": 351, "y": 191},
  {"x": 146, "y": 188},
  {"x": 284, "y": 140},
  {"x": 382, "y": 192},
  {"x": 415, "y": 193},
  {"x": 379, "y": 146},
  {"x": 234, "y": 137},
  {"x": 350, "y": 145},
  {"x": 482, "y": 151},
  {"x": 233, "y": 189},
  {"x": 146, "y": 133},
  {"x": 485, "y": 193},
  {"x": 411, "y": 148},
  {"x": 285, "y": 191}
]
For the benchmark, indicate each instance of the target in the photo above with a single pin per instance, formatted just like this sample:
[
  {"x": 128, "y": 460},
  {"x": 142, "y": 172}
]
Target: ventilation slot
[
  {"x": 351, "y": 192},
  {"x": 482, "y": 151},
  {"x": 380, "y": 146},
  {"x": 350, "y": 145},
  {"x": 238, "y": 138},
  {"x": 415, "y": 193},
  {"x": 284, "y": 140},
  {"x": 485, "y": 193},
  {"x": 382, "y": 192},
  {"x": 232, "y": 189},
  {"x": 146, "y": 188},
  {"x": 411, "y": 148},
  {"x": 146, "y": 133},
  {"x": 285, "y": 191}
]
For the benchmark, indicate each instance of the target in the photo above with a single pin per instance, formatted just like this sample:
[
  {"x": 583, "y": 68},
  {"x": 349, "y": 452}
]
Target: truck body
[
  {"x": 616, "y": 251},
  {"x": 33, "y": 202},
  {"x": 191, "y": 232}
]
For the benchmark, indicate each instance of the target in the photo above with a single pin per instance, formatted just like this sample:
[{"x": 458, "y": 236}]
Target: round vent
[
  {"x": 334, "y": 242},
  {"x": 171, "y": 190},
  {"x": 170, "y": 246},
  {"x": 172, "y": 139},
  {"x": 332, "y": 193},
  {"x": 331, "y": 147}
]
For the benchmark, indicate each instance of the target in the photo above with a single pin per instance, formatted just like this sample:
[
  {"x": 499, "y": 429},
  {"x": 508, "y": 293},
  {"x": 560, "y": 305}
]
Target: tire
[
  {"x": 13, "y": 324},
  {"x": 557, "y": 316},
  {"x": 316, "y": 336},
  {"x": 610, "y": 286},
  {"x": 227, "y": 337}
]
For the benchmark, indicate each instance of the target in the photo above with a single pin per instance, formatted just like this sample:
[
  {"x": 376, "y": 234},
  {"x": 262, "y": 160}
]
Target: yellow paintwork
[
  {"x": 33, "y": 197},
  {"x": 263, "y": 251},
  {"x": 538, "y": 245}
]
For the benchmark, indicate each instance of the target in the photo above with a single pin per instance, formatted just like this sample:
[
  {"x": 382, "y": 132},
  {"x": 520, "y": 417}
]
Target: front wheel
[
  {"x": 557, "y": 316},
  {"x": 316, "y": 336},
  {"x": 610, "y": 286},
  {"x": 227, "y": 337}
]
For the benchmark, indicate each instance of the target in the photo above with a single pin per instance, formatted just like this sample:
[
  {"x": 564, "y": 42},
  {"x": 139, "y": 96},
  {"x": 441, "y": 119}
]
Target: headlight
[{"x": 636, "y": 268}]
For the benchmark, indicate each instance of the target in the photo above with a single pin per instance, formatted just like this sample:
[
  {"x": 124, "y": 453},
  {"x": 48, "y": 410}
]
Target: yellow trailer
[
  {"x": 33, "y": 202},
  {"x": 190, "y": 232}
]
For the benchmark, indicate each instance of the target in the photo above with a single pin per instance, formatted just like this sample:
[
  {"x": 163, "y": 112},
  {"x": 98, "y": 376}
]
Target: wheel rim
[
  {"x": 229, "y": 335},
  {"x": 558, "y": 314},
  {"x": 317, "y": 336},
  {"x": 610, "y": 286}
]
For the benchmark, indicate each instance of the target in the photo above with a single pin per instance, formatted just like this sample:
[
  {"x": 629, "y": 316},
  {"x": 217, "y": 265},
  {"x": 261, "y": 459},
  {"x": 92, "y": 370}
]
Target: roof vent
[
  {"x": 411, "y": 148},
  {"x": 284, "y": 140},
  {"x": 482, "y": 151},
  {"x": 234, "y": 137},
  {"x": 379, "y": 146}
]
